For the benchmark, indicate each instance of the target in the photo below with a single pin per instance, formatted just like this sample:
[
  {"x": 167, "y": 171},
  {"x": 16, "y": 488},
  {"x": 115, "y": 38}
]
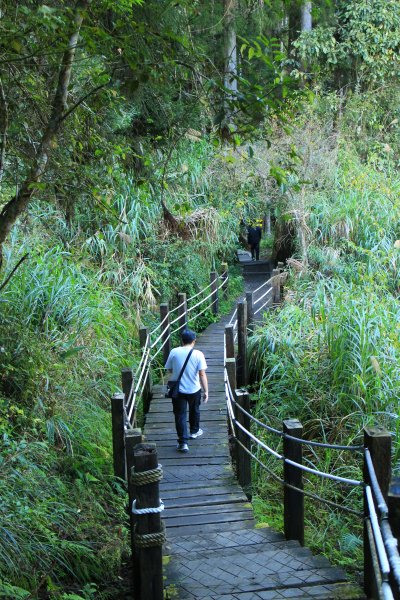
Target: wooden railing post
[
  {"x": 242, "y": 344},
  {"x": 243, "y": 457},
  {"x": 164, "y": 314},
  {"x": 393, "y": 502},
  {"x": 378, "y": 441},
  {"x": 230, "y": 365},
  {"x": 224, "y": 277},
  {"x": 182, "y": 312},
  {"x": 293, "y": 500},
  {"x": 229, "y": 341},
  {"x": 214, "y": 289},
  {"x": 148, "y": 496},
  {"x": 126, "y": 381},
  {"x": 118, "y": 429},
  {"x": 250, "y": 312},
  {"x": 147, "y": 393},
  {"x": 132, "y": 438},
  {"x": 276, "y": 287}
]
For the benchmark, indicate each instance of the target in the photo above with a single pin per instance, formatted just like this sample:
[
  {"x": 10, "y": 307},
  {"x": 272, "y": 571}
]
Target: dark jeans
[
  {"x": 255, "y": 251},
  {"x": 180, "y": 411}
]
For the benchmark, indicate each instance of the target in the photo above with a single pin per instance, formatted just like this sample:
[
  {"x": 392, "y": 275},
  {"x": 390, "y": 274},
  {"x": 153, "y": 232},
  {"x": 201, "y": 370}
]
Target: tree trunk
[
  {"x": 16, "y": 206},
  {"x": 293, "y": 23},
  {"x": 230, "y": 52},
  {"x": 3, "y": 128},
  {"x": 306, "y": 16}
]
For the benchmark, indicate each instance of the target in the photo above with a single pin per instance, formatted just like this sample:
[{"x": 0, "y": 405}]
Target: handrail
[
  {"x": 262, "y": 285},
  {"x": 151, "y": 349},
  {"x": 345, "y": 480},
  {"x": 383, "y": 544}
]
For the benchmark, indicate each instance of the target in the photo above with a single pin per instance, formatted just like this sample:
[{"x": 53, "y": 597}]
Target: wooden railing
[
  {"x": 381, "y": 494},
  {"x": 136, "y": 462}
]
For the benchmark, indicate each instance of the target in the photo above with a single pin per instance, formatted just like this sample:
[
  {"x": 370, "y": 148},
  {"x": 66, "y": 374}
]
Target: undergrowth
[
  {"x": 69, "y": 324},
  {"x": 330, "y": 355}
]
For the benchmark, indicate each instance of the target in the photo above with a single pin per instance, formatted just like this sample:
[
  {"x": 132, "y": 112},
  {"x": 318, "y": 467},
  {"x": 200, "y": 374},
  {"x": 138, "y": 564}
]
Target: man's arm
[{"x": 204, "y": 384}]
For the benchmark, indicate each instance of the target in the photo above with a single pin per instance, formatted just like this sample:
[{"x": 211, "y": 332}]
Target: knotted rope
[
  {"x": 145, "y": 477},
  {"x": 150, "y": 540}
]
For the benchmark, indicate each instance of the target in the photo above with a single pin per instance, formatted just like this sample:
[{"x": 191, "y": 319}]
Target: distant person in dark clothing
[{"x": 253, "y": 239}]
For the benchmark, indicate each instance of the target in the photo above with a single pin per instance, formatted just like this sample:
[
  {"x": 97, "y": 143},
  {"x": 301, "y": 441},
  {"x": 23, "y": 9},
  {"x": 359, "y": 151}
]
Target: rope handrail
[
  {"x": 200, "y": 292},
  {"x": 261, "y": 307},
  {"x": 141, "y": 358},
  {"x": 232, "y": 317},
  {"x": 269, "y": 291},
  {"x": 142, "y": 370},
  {"x": 133, "y": 403},
  {"x": 152, "y": 332},
  {"x": 262, "y": 285},
  {"x": 380, "y": 547},
  {"x": 382, "y": 506},
  {"x": 164, "y": 342},
  {"x": 200, "y": 303},
  {"x": 192, "y": 318},
  {"x": 392, "y": 550},
  {"x": 134, "y": 390},
  {"x": 164, "y": 331},
  {"x": 345, "y": 480},
  {"x": 351, "y": 511},
  {"x": 286, "y": 435}
]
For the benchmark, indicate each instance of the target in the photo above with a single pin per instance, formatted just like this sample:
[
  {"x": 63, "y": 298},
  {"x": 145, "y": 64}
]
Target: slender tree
[
  {"x": 14, "y": 207},
  {"x": 230, "y": 51},
  {"x": 306, "y": 16}
]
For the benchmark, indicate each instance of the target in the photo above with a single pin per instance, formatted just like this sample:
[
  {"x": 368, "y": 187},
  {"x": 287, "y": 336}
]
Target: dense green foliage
[
  {"x": 131, "y": 187},
  {"x": 330, "y": 356}
]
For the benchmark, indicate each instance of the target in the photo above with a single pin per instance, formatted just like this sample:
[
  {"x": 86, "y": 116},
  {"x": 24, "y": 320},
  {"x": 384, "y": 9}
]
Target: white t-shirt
[{"x": 190, "y": 381}]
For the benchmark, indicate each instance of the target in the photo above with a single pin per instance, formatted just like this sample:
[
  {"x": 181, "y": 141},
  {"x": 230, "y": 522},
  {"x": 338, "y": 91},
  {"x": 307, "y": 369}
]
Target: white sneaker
[
  {"x": 182, "y": 448},
  {"x": 196, "y": 435}
]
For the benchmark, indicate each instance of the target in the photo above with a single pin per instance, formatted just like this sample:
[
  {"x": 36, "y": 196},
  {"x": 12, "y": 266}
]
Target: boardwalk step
[{"x": 317, "y": 591}]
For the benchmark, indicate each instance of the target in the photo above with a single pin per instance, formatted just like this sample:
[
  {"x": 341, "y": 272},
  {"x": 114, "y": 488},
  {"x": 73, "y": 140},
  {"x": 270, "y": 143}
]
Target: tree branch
[{"x": 3, "y": 285}]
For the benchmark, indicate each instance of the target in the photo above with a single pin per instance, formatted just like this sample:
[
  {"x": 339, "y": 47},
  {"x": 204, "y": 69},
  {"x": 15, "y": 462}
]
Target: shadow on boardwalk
[{"x": 214, "y": 550}]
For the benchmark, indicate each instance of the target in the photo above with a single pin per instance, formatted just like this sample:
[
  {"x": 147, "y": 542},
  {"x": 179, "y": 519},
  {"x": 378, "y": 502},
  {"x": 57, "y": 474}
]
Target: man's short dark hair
[{"x": 188, "y": 336}]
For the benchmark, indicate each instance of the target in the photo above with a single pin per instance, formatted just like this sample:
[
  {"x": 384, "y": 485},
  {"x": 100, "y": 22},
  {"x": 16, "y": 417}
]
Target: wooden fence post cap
[
  {"x": 145, "y": 448},
  {"x": 164, "y": 305},
  {"x": 376, "y": 431},
  {"x": 292, "y": 423},
  {"x": 133, "y": 432},
  {"x": 126, "y": 370}
]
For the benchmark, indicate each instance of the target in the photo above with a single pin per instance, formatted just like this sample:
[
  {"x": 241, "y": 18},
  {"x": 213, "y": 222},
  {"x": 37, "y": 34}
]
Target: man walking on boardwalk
[{"x": 193, "y": 379}]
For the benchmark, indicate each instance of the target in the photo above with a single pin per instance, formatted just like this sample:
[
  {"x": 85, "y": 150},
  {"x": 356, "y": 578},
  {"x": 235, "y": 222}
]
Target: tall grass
[
  {"x": 69, "y": 320},
  {"x": 330, "y": 356}
]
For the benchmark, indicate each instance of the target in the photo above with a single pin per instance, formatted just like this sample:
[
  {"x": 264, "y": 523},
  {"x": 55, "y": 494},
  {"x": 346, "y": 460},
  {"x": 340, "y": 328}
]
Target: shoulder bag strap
[{"x": 184, "y": 366}]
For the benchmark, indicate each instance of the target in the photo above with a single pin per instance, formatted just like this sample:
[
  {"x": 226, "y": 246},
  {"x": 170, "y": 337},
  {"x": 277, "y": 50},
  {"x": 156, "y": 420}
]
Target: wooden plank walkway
[{"x": 214, "y": 550}]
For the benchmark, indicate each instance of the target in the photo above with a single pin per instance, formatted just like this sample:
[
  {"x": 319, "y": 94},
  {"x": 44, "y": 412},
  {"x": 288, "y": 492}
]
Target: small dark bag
[{"x": 173, "y": 386}]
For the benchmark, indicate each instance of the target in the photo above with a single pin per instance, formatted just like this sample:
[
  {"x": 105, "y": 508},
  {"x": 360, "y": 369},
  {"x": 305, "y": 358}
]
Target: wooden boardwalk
[{"x": 214, "y": 550}]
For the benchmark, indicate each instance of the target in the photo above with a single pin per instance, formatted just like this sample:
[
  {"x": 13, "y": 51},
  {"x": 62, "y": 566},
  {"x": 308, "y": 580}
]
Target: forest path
[{"x": 214, "y": 549}]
